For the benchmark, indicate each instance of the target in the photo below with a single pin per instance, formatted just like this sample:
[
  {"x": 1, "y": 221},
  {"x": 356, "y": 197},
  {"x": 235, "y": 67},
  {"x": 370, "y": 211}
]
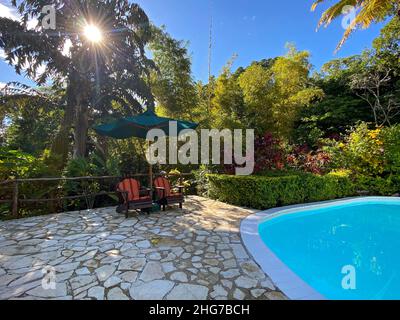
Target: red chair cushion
[
  {"x": 161, "y": 182},
  {"x": 145, "y": 198},
  {"x": 132, "y": 186},
  {"x": 142, "y": 199}
]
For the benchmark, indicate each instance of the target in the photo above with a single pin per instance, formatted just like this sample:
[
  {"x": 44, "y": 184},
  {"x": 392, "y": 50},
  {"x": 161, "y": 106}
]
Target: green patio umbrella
[{"x": 138, "y": 126}]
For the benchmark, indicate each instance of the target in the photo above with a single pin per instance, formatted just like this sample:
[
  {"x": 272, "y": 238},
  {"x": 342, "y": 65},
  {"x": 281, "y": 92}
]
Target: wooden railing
[{"x": 16, "y": 200}]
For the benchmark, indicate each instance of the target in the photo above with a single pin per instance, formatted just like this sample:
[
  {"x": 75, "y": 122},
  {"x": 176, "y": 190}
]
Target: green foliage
[
  {"x": 361, "y": 151},
  {"x": 350, "y": 85},
  {"x": 172, "y": 83},
  {"x": 267, "y": 96},
  {"x": 391, "y": 143},
  {"x": 255, "y": 83},
  {"x": 104, "y": 167},
  {"x": 94, "y": 75},
  {"x": 292, "y": 90},
  {"x": 80, "y": 167},
  {"x": 377, "y": 185},
  {"x": 18, "y": 164},
  {"x": 228, "y": 105},
  {"x": 330, "y": 117},
  {"x": 273, "y": 96},
  {"x": 126, "y": 157},
  {"x": 262, "y": 192},
  {"x": 176, "y": 179},
  {"x": 201, "y": 177},
  {"x": 14, "y": 163},
  {"x": 32, "y": 122},
  {"x": 369, "y": 152}
]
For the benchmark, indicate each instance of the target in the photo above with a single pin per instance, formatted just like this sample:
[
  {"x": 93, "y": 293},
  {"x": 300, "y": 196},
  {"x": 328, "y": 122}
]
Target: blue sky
[{"x": 252, "y": 29}]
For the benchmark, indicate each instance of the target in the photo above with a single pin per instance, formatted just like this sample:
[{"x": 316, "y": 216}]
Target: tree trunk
[
  {"x": 81, "y": 126},
  {"x": 60, "y": 145},
  {"x": 102, "y": 146}
]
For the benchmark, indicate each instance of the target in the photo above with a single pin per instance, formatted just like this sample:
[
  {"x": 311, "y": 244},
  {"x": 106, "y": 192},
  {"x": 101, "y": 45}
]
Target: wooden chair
[
  {"x": 132, "y": 196},
  {"x": 166, "y": 195}
]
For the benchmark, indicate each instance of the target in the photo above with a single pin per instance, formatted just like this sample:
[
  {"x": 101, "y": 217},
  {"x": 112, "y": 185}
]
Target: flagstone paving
[{"x": 194, "y": 253}]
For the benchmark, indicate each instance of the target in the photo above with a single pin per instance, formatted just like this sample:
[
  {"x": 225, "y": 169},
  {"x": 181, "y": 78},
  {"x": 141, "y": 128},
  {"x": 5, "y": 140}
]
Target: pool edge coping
[{"x": 281, "y": 275}]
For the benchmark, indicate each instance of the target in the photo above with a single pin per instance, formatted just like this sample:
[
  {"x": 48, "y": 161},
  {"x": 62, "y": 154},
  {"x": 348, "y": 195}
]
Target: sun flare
[{"x": 93, "y": 33}]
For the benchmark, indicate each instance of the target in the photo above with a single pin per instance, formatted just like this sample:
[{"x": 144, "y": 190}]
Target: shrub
[
  {"x": 377, "y": 185},
  {"x": 369, "y": 152},
  {"x": 94, "y": 166},
  {"x": 269, "y": 155},
  {"x": 262, "y": 192},
  {"x": 306, "y": 160},
  {"x": 16, "y": 164},
  {"x": 201, "y": 179},
  {"x": 391, "y": 139}
]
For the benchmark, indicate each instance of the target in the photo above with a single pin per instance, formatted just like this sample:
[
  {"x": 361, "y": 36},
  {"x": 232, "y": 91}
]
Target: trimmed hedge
[
  {"x": 379, "y": 186},
  {"x": 262, "y": 192}
]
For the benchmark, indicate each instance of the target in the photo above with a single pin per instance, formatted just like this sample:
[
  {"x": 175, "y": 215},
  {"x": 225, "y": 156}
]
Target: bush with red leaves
[
  {"x": 268, "y": 155},
  {"x": 304, "y": 159}
]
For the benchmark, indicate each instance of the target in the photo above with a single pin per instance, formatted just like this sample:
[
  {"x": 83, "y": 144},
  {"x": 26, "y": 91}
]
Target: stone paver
[{"x": 195, "y": 253}]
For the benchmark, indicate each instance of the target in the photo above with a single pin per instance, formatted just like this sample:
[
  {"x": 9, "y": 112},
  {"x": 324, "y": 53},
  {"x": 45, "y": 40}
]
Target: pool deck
[{"x": 194, "y": 253}]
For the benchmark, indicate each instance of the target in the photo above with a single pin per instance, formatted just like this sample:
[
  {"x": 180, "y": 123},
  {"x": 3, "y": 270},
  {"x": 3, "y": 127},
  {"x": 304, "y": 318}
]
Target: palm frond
[
  {"x": 335, "y": 11},
  {"x": 369, "y": 11}
]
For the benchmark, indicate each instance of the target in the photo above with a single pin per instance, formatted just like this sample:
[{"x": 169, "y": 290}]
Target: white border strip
[{"x": 283, "y": 277}]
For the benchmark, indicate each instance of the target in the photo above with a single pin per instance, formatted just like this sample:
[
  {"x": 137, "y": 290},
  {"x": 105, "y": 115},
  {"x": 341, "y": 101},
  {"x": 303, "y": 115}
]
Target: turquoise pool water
[{"x": 317, "y": 243}]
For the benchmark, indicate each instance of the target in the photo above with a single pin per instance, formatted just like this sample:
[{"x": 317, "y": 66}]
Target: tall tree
[
  {"x": 228, "y": 105},
  {"x": 292, "y": 89},
  {"x": 387, "y": 46},
  {"x": 344, "y": 105},
  {"x": 97, "y": 51},
  {"x": 275, "y": 94},
  {"x": 256, "y": 84},
  {"x": 172, "y": 82}
]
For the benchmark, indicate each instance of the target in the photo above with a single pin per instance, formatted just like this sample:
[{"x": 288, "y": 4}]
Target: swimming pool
[{"x": 345, "y": 249}]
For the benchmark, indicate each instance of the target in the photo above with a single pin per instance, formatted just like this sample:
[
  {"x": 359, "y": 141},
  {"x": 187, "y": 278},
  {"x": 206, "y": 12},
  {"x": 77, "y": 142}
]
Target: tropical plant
[
  {"x": 94, "y": 74},
  {"x": 369, "y": 11},
  {"x": 14, "y": 163},
  {"x": 33, "y": 117}
]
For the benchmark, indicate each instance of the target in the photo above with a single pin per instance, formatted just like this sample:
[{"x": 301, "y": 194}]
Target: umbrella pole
[
  {"x": 150, "y": 169},
  {"x": 150, "y": 175}
]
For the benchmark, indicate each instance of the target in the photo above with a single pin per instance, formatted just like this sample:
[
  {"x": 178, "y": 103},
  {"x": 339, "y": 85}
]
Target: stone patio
[{"x": 196, "y": 253}]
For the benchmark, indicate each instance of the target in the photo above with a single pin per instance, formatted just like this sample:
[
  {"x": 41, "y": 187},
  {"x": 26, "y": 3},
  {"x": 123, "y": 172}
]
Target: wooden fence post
[{"x": 15, "y": 200}]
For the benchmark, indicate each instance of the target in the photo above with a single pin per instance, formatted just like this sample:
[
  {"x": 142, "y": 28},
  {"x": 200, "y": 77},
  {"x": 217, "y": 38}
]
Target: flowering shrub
[
  {"x": 269, "y": 154},
  {"x": 369, "y": 152},
  {"x": 306, "y": 160}
]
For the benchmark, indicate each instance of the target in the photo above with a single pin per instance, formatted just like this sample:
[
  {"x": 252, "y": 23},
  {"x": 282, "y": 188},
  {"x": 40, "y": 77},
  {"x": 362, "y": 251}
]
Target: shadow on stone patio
[{"x": 195, "y": 253}]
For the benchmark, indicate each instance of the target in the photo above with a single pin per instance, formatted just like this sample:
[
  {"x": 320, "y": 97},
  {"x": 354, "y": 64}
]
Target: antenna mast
[{"x": 209, "y": 58}]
